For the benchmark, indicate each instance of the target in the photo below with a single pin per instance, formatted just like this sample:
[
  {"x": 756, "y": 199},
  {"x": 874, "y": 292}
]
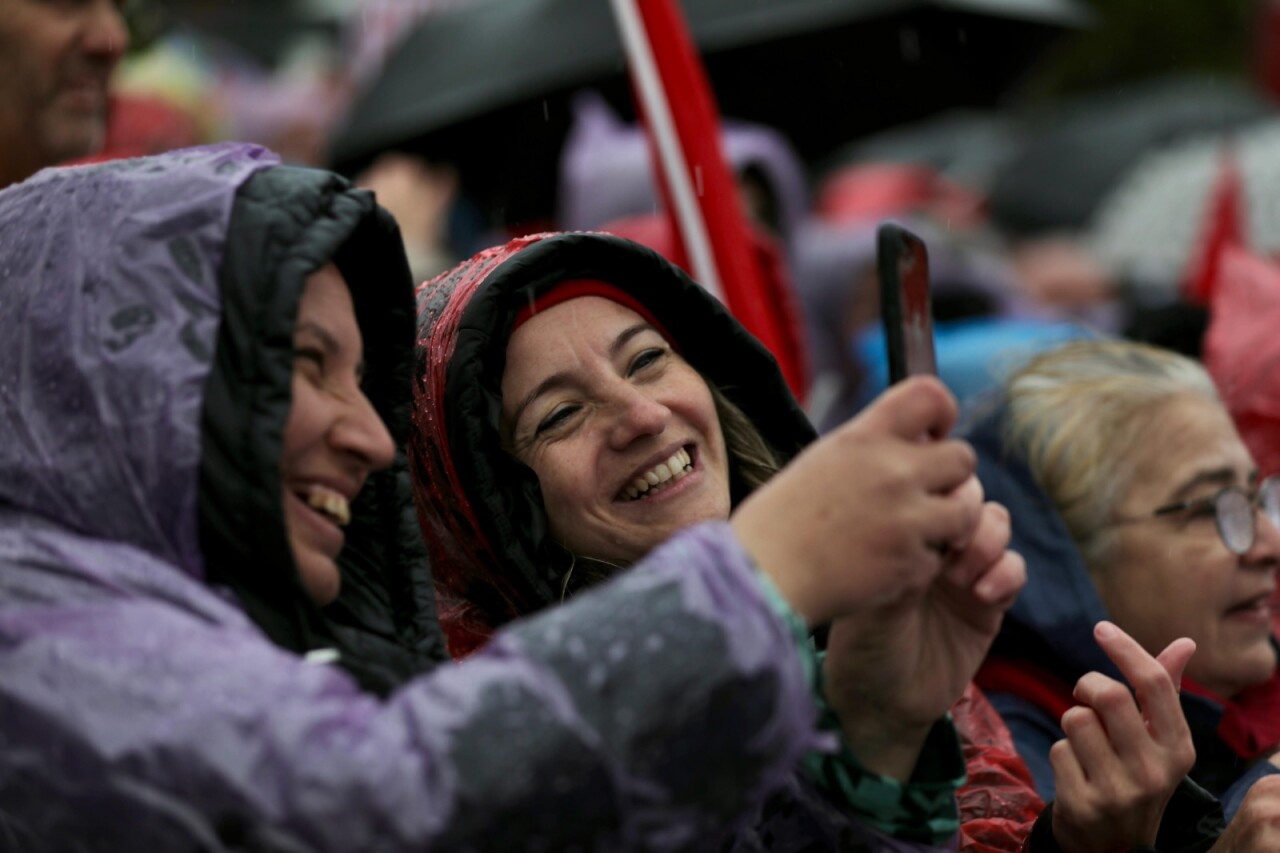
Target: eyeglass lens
[{"x": 1235, "y": 513}]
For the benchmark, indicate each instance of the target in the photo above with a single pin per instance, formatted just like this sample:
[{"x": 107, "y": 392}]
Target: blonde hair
[
  {"x": 751, "y": 461},
  {"x": 1078, "y": 414}
]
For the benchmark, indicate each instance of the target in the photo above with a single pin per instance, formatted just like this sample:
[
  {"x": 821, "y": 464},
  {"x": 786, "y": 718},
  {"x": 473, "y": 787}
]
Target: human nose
[
  {"x": 360, "y": 431},
  {"x": 105, "y": 33},
  {"x": 637, "y": 414}
]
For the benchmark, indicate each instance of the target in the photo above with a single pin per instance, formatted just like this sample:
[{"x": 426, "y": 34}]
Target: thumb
[
  {"x": 917, "y": 407},
  {"x": 1175, "y": 657}
]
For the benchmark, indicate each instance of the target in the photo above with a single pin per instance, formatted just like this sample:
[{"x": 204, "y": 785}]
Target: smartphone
[{"x": 903, "y": 265}]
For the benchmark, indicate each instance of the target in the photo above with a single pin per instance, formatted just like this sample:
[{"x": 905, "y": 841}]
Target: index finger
[
  {"x": 1154, "y": 684},
  {"x": 918, "y": 407}
]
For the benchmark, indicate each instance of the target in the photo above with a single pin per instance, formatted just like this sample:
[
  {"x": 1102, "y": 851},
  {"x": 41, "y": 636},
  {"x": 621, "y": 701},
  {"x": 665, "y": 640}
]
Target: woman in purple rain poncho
[{"x": 204, "y": 377}]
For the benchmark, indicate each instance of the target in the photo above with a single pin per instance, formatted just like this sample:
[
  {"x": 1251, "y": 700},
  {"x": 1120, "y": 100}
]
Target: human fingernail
[{"x": 1103, "y": 630}]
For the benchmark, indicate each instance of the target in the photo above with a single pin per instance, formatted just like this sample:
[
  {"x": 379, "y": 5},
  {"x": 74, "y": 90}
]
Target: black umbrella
[
  {"x": 966, "y": 146},
  {"x": 260, "y": 31},
  {"x": 487, "y": 86},
  {"x": 1073, "y": 153}
]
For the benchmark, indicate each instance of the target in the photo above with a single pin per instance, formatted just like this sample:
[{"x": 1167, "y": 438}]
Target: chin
[
  {"x": 79, "y": 138},
  {"x": 1250, "y": 669},
  {"x": 320, "y": 578}
]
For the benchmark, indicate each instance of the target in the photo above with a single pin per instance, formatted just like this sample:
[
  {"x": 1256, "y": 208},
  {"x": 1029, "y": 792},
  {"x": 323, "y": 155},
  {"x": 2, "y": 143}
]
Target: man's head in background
[{"x": 56, "y": 59}]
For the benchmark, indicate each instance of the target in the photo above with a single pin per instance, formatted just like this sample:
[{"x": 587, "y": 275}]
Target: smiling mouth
[
  {"x": 329, "y": 503},
  {"x": 1259, "y": 603},
  {"x": 660, "y": 477},
  {"x": 86, "y": 89}
]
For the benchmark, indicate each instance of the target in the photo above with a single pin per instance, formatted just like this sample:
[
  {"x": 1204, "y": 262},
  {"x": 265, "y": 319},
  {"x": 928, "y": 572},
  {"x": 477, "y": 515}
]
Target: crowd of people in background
[{"x": 336, "y": 514}]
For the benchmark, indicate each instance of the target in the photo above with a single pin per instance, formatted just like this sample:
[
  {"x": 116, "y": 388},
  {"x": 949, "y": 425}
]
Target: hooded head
[
  {"x": 1112, "y": 454},
  {"x": 494, "y": 549},
  {"x": 606, "y": 173},
  {"x": 151, "y": 307}
]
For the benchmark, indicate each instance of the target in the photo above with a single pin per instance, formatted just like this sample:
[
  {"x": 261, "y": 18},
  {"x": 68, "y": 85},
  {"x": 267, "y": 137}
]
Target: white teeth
[
  {"x": 661, "y": 475},
  {"x": 331, "y": 503}
]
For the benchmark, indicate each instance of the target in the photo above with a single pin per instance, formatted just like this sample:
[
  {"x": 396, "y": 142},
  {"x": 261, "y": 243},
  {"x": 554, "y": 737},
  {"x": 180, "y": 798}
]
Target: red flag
[
  {"x": 680, "y": 116},
  {"x": 1224, "y": 228}
]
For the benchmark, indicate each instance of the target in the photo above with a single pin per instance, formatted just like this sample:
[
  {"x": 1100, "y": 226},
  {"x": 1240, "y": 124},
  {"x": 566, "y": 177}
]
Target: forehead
[
  {"x": 33, "y": 18},
  {"x": 1188, "y": 435},
  {"x": 591, "y": 320},
  {"x": 326, "y": 300}
]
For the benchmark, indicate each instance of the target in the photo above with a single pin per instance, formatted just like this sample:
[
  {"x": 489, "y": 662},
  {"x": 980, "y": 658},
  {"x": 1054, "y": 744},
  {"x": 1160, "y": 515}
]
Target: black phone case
[{"x": 894, "y": 244}]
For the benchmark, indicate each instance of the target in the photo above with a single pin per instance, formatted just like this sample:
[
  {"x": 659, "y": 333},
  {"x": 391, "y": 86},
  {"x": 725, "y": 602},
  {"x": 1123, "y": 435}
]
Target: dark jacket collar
[{"x": 1051, "y": 623}]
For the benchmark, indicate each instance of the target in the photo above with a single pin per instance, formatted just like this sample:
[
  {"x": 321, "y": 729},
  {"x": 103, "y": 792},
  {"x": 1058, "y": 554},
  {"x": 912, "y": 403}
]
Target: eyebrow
[
  {"x": 562, "y": 379},
  {"x": 1212, "y": 477},
  {"x": 327, "y": 341}
]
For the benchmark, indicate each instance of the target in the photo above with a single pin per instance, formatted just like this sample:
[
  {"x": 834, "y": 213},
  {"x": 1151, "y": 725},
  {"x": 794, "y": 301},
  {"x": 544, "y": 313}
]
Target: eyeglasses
[{"x": 1234, "y": 509}]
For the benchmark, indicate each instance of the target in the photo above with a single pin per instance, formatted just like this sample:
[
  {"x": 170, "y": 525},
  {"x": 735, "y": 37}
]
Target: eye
[
  {"x": 556, "y": 419},
  {"x": 313, "y": 356},
  {"x": 1201, "y": 508},
  {"x": 646, "y": 358}
]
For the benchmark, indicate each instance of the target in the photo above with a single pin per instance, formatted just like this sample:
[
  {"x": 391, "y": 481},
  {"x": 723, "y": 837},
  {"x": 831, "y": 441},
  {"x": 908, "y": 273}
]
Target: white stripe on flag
[{"x": 693, "y": 229}]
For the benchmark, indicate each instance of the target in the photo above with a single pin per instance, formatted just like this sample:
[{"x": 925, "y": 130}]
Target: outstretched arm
[{"x": 651, "y": 714}]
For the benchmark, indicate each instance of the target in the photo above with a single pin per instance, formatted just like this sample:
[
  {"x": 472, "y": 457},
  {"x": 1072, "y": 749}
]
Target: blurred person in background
[
  {"x": 56, "y": 62},
  {"x": 983, "y": 315},
  {"x": 606, "y": 172},
  {"x": 1136, "y": 502}
]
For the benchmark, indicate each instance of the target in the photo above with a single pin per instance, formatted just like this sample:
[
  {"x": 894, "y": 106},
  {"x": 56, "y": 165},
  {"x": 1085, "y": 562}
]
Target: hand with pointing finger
[{"x": 1125, "y": 752}]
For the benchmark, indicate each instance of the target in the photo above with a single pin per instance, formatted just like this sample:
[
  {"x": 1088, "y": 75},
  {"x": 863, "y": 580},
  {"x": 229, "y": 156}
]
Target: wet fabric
[
  {"x": 155, "y": 691},
  {"x": 998, "y": 801},
  {"x": 482, "y": 511},
  {"x": 1046, "y": 641}
]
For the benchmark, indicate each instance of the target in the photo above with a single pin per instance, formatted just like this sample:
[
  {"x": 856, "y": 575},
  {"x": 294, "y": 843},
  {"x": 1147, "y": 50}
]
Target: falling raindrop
[{"x": 617, "y": 652}]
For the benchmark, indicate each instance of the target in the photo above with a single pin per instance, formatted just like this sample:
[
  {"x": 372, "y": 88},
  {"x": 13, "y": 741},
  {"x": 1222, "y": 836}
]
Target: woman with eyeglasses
[{"x": 1133, "y": 500}]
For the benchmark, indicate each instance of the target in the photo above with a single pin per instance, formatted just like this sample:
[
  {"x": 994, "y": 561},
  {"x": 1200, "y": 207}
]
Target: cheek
[
  {"x": 305, "y": 424},
  {"x": 1176, "y": 585},
  {"x": 566, "y": 487},
  {"x": 694, "y": 401}
]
